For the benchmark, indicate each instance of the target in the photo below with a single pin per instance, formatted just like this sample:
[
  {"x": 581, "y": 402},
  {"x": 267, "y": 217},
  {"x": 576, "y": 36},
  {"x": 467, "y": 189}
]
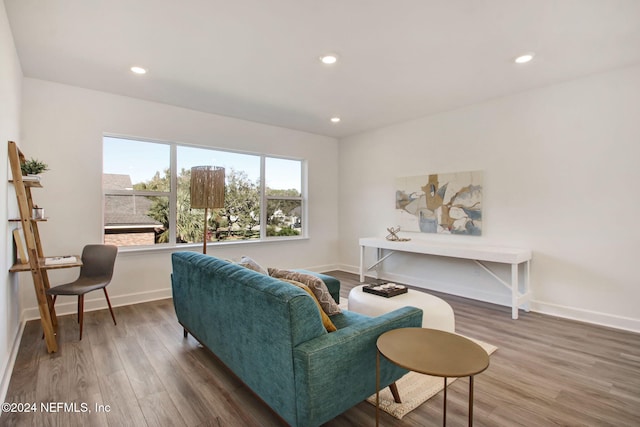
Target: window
[
  {"x": 283, "y": 179},
  {"x": 240, "y": 218},
  {"x": 135, "y": 192},
  {"x": 144, "y": 206}
]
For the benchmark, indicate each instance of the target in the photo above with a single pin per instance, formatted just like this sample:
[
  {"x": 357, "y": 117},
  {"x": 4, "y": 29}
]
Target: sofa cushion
[
  {"x": 251, "y": 264},
  {"x": 333, "y": 284},
  {"x": 326, "y": 321},
  {"x": 316, "y": 284}
]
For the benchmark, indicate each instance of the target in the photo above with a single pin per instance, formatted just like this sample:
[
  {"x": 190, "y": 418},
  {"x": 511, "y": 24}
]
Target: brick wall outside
[{"x": 130, "y": 239}]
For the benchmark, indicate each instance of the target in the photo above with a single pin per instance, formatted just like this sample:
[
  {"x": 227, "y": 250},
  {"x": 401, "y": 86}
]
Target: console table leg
[
  {"x": 362, "y": 264},
  {"x": 514, "y": 291},
  {"x": 527, "y": 278}
]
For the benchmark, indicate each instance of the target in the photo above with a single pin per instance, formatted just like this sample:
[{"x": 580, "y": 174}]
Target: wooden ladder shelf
[{"x": 36, "y": 261}]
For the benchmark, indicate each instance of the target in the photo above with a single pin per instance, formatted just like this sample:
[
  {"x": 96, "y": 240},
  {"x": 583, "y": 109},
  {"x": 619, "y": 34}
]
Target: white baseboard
[
  {"x": 348, "y": 268},
  {"x": 588, "y": 316},
  {"x": 323, "y": 268},
  {"x": 7, "y": 370},
  {"x": 572, "y": 313},
  {"x": 98, "y": 302}
]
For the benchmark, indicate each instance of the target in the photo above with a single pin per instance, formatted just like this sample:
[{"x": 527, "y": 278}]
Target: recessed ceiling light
[
  {"x": 329, "y": 59},
  {"x": 138, "y": 70},
  {"x": 335, "y": 119},
  {"x": 523, "y": 59}
]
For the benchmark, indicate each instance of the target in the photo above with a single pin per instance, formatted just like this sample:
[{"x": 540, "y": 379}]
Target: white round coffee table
[{"x": 436, "y": 312}]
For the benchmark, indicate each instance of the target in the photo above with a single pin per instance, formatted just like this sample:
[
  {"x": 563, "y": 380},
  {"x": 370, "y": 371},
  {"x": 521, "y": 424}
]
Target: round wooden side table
[{"x": 432, "y": 352}]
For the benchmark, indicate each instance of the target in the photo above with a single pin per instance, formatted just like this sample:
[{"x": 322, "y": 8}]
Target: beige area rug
[{"x": 415, "y": 389}]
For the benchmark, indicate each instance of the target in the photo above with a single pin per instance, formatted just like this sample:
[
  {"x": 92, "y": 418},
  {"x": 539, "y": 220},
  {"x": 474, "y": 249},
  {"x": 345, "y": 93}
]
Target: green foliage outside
[
  {"x": 285, "y": 231},
  {"x": 239, "y": 219}
]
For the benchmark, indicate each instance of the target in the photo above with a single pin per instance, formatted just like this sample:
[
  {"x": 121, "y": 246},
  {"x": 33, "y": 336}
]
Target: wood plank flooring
[{"x": 547, "y": 371}]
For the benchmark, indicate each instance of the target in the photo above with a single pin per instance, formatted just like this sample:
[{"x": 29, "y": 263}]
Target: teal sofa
[{"x": 270, "y": 334}]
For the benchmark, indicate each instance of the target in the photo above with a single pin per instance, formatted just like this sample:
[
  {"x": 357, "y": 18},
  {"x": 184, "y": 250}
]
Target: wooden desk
[
  {"x": 475, "y": 252},
  {"x": 42, "y": 265},
  {"x": 48, "y": 316}
]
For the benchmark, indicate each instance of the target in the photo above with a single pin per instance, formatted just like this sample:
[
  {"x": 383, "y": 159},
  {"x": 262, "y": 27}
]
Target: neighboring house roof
[
  {"x": 122, "y": 211},
  {"x": 128, "y": 210},
  {"x": 116, "y": 181}
]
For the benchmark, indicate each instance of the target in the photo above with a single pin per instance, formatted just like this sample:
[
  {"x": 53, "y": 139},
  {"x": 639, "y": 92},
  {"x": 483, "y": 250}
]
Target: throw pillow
[
  {"x": 328, "y": 324},
  {"x": 316, "y": 284},
  {"x": 249, "y": 263}
]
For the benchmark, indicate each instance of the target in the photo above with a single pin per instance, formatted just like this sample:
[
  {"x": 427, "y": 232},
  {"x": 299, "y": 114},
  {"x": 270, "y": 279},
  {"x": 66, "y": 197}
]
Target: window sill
[{"x": 198, "y": 246}]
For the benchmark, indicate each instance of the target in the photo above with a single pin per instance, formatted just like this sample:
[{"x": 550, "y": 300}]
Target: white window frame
[{"x": 172, "y": 194}]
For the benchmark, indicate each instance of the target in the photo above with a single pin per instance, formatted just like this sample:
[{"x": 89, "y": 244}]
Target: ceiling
[{"x": 258, "y": 59}]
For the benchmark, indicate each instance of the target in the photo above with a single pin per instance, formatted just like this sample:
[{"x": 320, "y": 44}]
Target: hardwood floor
[{"x": 547, "y": 371}]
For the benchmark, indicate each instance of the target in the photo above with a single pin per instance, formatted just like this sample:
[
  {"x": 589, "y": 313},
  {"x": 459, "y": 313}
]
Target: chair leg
[
  {"x": 109, "y": 304},
  {"x": 80, "y": 312}
]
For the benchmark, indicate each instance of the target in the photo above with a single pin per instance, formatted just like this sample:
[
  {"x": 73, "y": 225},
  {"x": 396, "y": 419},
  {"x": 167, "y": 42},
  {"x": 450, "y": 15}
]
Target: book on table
[{"x": 60, "y": 260}]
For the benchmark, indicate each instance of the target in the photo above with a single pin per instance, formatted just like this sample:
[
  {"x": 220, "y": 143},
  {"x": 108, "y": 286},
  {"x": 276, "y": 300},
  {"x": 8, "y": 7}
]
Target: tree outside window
[{"x": 153, "y": 198}]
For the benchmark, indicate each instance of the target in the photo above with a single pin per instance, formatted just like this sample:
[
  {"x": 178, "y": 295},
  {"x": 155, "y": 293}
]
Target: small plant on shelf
[{"x": 33, "y": 167}]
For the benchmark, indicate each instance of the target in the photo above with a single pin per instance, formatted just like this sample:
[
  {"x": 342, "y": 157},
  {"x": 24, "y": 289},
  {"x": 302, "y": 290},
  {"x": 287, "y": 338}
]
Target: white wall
[
  {"x": 10, "y": 88},
  {"x": 560, "y": 177},
  {"x": 64, "y": 125}
]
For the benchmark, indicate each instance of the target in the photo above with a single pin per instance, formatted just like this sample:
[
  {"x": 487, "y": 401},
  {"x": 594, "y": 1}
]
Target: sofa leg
[
  {"x": 185, "y": 333},
  {"x": 394, "y": 391}
]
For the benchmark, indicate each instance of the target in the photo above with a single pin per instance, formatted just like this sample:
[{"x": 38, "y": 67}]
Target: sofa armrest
[{"x": 336, "y": 371}]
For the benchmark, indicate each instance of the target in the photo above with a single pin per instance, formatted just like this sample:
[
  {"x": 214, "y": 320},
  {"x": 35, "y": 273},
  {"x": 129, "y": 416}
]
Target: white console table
[{"x": 476, "y": 252}]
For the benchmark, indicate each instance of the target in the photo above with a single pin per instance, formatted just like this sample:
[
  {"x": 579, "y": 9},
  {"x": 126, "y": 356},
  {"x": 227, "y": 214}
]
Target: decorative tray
[{"x": 386, "y": 290}]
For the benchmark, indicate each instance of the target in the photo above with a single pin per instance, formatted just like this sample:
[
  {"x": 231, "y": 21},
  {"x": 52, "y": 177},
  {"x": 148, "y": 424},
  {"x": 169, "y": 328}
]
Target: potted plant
[{"x": 33, "y": 167}]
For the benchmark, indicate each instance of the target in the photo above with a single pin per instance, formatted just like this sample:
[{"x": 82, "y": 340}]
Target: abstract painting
[{"x": 445, "y": 203}]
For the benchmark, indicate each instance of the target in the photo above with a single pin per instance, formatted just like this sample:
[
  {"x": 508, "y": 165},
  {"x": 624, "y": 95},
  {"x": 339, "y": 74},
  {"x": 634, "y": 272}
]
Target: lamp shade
[{"x": 207, "y": 187}]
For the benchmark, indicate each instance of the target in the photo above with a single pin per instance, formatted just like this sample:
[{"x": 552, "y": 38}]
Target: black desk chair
[{"x": 95, "y": 273}]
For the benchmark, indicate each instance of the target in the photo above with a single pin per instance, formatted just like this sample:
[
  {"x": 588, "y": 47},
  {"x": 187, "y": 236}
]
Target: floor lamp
[{"x": 207, "y": 191}]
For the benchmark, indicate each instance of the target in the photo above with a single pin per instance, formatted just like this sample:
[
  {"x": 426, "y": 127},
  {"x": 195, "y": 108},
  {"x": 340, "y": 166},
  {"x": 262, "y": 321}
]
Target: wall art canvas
[{"x": 445, "y": 203}]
